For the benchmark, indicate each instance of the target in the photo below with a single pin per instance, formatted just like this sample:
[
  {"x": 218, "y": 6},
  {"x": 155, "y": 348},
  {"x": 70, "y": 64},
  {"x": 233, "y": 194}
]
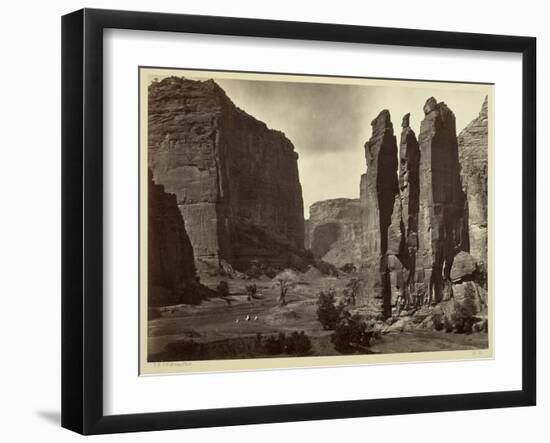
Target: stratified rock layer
[
  {"x": 441, "y": 201},
  {"x": 171, "y": 268},
  {"x": 379, "y": 189},
  {"x": 473, "y": 153},
  {"x": 236, "y": 181},
  {"x": 334, "y": 231}
]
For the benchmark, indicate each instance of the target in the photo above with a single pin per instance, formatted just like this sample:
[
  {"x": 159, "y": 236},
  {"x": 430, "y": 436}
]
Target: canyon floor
[{"x": 221, "y": 323}]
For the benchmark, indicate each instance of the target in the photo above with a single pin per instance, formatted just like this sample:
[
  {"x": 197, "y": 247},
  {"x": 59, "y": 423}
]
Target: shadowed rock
[{"x": 171, "y": 267}]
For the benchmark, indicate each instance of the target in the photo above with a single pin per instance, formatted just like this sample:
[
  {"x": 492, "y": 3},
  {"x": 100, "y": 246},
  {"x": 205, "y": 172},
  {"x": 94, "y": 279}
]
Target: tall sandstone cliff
[
  {"x": 473, "y": 154},
  {"x": 441, "y": 204},
  {"x": 379, "y": 191},
  {"x": 334, "y": 231},
  {"x": 235, "y": 180},
  {"x": 171, "y": 268}
]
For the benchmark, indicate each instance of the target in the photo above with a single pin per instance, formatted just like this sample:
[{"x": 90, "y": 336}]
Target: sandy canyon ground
[{"x": 218, "y": 322}]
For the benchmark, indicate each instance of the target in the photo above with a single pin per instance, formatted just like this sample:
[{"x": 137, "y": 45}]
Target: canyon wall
[
  {"x": 334, "y": 231},
  {"x": 235, "y": 180},
  {"x": 473, "y": 146}
]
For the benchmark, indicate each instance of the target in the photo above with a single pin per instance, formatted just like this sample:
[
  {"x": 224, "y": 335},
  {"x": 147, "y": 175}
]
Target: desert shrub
[
  {"x": 297, "y": 343},
  {"x": 222, "y": 289},
  {"x": 462, "y": 318},
  {"x": 328, "y": 313},
  {"x": 301, "y": 344},
  {"x": 153, "y": 312},
  {"x": 326, "y": 268},
  {"x": 271, "y": 272},
  {"x": 351, "y": 334},
  {"x": 251, "y": 291},
  {"x": 254, "y": 271},
  {"x": 274, "y": 345}
]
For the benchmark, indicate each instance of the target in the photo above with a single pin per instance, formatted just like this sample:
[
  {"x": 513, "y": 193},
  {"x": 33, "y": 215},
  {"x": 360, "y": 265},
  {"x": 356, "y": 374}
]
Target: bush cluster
[
  {"x": 352, "y": 334},
  {"x": 297, "y": 343},
  {"x": 327, "y": 311},
  {"x": 223, "y": 288}
]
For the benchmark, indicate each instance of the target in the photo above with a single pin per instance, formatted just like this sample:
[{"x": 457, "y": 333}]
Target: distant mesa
[{"x": 334, "y": 231}]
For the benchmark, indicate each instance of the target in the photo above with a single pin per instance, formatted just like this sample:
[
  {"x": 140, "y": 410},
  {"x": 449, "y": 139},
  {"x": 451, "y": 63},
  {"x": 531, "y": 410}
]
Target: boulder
[{"x": 464, "y": 267}]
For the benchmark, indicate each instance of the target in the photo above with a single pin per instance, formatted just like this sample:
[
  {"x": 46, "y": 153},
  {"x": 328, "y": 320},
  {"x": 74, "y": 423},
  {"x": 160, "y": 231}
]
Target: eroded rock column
[
  {"x": 379, "y": 189},
  {"x": 441, "y": 203}
]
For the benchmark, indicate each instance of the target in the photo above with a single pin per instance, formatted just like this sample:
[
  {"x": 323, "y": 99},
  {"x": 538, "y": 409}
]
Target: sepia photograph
[{"x": 298, "y": 221}]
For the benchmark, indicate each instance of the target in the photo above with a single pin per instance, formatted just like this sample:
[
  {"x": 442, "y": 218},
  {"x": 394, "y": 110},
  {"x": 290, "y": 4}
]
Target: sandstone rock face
[
  {"x": 235, "y": 180},
  {"x": 473, "y": 153},
  {"x": 171, "y": 266},
  {"x": 379, "y": 190},
  {"x": 416, "y": 235},
  {"x": 441, "y": 201},
  {"x": 334, "y": 231}
]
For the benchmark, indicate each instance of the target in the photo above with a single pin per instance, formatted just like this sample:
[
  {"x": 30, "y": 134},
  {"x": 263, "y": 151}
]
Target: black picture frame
[{"x": 82, "y": 218}]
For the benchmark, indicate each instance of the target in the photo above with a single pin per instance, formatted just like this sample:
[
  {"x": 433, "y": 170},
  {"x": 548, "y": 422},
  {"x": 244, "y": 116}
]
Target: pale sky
[{"x": 330, "y": 123}]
